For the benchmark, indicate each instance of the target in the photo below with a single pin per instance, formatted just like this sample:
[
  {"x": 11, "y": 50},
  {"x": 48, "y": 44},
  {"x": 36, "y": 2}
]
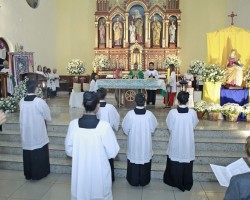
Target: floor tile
[
  {"x": 127, "y": 194},
  {"x": 212, "y": 187},
  {"x": 157, "y": 194},
  {"x": 8, "y": 187},
  {"x": 156, "y": 184},
  {"x": 215, "y": 195},
  {"x": 64, "y": 178},
  {"x": 123, "y": 183},
  {"x": 32, "y": 190},
  {"x": 196, "y": 195},
  {"x": 58, "y": 192},
  {"x": 196, "y": 187},
  {"x": 11, "y": 175}
]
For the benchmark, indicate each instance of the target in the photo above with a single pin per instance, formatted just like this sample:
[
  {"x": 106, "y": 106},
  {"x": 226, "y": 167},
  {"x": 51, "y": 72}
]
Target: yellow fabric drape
[
  {"x": 221, "y": 42},
  {"x": 211, "y": 92}
]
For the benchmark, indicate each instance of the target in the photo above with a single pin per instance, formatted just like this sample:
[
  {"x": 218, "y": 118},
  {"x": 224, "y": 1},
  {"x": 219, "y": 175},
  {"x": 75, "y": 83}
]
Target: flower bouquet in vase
[
  {"x": 246, "y": 111},
  {"x": 76, "y": 67},
  {"x": 172, "y": 59},
  {"x": 214, "y": 111},
  {"x": 231, "y": 111},
  {"x": 200, "y": 108},
  {"x": 101, "y": 62}
]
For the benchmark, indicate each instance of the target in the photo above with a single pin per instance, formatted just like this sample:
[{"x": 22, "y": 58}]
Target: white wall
[{"x": 33, "y": 28}]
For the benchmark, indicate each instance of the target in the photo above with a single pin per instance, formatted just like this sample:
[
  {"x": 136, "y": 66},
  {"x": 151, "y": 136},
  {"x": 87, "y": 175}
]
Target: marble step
[
  {"x": 63, "y": 165},
  {"x": 202, "y": 157}
]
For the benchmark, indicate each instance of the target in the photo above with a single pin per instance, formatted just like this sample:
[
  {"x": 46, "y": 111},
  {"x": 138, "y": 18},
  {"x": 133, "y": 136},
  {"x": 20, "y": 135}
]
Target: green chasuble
[{"x": 136, "y": 74}]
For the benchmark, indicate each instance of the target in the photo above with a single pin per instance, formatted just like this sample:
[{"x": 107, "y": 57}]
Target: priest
[
  {"x": 34, "y": 112},
  {"x": 136, "y": 73},
  {"x": 91, "y": 143},
  {"x": 139, "y": 125}
]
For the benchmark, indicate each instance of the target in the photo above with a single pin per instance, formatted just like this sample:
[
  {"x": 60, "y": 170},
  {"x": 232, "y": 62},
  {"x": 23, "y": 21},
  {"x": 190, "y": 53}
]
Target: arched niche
[{"x": 4, "y": 49}]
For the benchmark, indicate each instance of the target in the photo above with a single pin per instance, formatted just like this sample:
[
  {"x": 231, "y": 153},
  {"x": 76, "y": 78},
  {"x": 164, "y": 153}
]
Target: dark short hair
[
  {"x": 183, "y": 97},
  {"x": 172, "y": 66},
  {"x": 247, "y": 146},
  {"x": 90, "y": 101},
  {"x": 31, "y": 86},
  {"x": 101, "y": 93},
  {"x": 92, "y": 76},
  {"x": 140, "y": 99},
  {"x": 151, "y": 63}
]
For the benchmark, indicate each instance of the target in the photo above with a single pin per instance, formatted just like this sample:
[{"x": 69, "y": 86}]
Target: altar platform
[{"x": 219, "y": 142}]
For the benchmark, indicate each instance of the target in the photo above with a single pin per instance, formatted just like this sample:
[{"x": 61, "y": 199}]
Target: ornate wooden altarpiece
[{"x": 137, "y": 31}]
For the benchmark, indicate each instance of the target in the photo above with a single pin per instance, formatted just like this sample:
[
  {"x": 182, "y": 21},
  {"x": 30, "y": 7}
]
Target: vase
[
  {"x": 200, "y": 115},
  {"x": 232, "y": 117},
  {"x": 213, "y": 116}
]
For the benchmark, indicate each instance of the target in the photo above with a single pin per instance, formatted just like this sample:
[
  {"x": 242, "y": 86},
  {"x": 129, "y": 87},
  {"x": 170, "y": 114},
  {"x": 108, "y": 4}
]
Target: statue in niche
[
  {"x": 102, "y": 32},
  {"x": 118, "y": 32},
  {"x": 156, "y": 29},
  {"x": 172, "y": 30},
  {"x": 132, "y": 30},
  {"x": 138, "y": 22}
]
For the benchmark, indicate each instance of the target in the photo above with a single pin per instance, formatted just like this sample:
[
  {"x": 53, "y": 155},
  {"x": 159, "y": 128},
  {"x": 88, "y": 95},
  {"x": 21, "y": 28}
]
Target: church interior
[{"x": 109, "y": 37}]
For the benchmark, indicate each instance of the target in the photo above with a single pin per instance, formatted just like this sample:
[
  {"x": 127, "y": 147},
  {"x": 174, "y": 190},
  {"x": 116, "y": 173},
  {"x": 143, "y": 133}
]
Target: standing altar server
[
  {"x": 91, "y": 143},
  {"x": 181, "y": 147},
  {"x": 107, "y": 112},
  {"x": 139, "y": 124},
  {"x": 33, "y": 113}
]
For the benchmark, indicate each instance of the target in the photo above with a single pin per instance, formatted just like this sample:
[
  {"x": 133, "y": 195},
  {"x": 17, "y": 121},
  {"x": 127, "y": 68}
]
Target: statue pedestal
[{"x": 172, "y": 45}]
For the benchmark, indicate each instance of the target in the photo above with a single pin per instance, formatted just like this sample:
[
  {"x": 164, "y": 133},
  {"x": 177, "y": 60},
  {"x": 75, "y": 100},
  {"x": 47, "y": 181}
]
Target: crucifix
[{"x": 232, "y": 16}]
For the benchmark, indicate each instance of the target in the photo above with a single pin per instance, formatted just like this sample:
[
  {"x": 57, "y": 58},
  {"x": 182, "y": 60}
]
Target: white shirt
[
  {"x": 90, "y": 150},
  {"x": 149, "y": 73},
  {"x": 57, "y": 78},
  {"x": 32, "y": 123},
  {"x": 139, "y": 129},
  {"x": 181, "y": 146},
  {"x": 110, "y": 115},
  {"x": 92, "y": 86},
  {"x": 172, "y": 82}
]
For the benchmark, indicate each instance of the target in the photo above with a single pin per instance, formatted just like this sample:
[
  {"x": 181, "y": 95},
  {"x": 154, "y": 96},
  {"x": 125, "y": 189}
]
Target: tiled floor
[{"x": 13, "y": 186}]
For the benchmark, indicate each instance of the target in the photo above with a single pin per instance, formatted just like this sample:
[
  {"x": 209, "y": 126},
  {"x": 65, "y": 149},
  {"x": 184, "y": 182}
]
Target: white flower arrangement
[
  {"x": 101, "y": 61},
  {"x": 247, "y": 76},
  {"x": 213, "y": 107},
  {"x": 172, "y": 59},
  {"x": 8, "y": 104},
  {"x": 246, "y": 109},
  {"x": 200, "y": 106},
  {"x": 213, "y": 73},
  {"x": 20, "y": 90},
  {"x": 196, "y": 67},
  {"x": 231, "y": 109},
  {"x": 76, "y": 67}
]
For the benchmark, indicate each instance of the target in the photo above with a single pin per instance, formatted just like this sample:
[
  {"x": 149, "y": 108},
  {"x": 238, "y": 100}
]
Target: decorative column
[
  {"x": 178, "y": 33},
  {"x": 149, "y": 35},
  {"x": 167, "y": 32},
  {"x": 110, "y": 34},
  {"x": 163, "y": 34},
  {"x": 146, "y": 29},
  {"x": 126, "y": 30},
  {"x": 96, "y": 35}
]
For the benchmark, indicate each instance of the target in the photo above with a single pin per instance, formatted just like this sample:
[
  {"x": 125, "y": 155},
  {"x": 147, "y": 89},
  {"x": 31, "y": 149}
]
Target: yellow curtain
[
  {"x": 220, "y": 44},
  {"x": 211, "y": 92}
]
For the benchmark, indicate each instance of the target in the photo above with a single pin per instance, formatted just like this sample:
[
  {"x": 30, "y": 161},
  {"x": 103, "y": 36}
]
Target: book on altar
[{"x": 224, "y": 174}]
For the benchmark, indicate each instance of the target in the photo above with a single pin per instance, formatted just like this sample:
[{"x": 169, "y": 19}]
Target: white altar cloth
[{"x": 76, "y": 99}]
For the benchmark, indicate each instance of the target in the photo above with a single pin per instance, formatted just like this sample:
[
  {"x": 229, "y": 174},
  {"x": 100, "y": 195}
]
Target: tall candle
[{"x": 168, "y": 76}]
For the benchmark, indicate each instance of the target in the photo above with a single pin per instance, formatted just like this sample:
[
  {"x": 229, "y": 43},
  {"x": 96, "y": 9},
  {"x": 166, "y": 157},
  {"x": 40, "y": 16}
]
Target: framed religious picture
[{"x": 21, "y": 66}]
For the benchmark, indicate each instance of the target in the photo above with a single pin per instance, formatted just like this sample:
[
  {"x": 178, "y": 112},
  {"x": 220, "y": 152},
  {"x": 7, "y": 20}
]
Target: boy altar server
[
  {"x": 91, "y": 142},
  {"x": 33, "y": 113},
  {"x": 139, "y": 124},
  {"x": 107, "y": 112}
]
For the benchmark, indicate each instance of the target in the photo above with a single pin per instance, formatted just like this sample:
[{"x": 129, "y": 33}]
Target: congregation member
[
  {"x": 151, "y": 73},
  {"x": 56, "y": 81},
  {"x": 39, "y": 70},
  {"x": 34, "y": 112},
  {"x": 6, "y": 70},
  {"x": 239, "y": 187},
  {"x": 171, "y": 88},
  {"x": 181, "y": 147},
  {"x": 136, "y": 73},
  {"x": 91, "y": 143},
  {"x": 93, "y": 78},
  {"x": 107, "y": 112},
  {"x": 139, "y": 125},
  {"x": 50, "y": 83}
]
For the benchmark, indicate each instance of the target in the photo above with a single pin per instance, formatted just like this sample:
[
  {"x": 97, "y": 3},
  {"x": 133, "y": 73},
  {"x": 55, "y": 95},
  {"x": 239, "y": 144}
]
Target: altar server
[
  {"x": 151, "y": 73},
  {"x": 181, "y": 147},
  {"x": 171, "y": 87},
  {"x": 91, "y": 142},
  {"x": 107, "y": 112},
  {"x": 139, "y": 124},
  {"x": 93, "y": 78},
  {"x": 33, "y": 113}
]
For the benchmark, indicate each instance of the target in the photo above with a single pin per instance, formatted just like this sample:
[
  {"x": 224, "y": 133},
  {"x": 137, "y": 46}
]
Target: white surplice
[
  {"x": 149, "y": 73},
  {"x": 109, "y": 114},
  {"x": 181, "y": 146},
  {"x": 32, "y": 123},
  {"x": 90, "y": 150},
  {"x": 172, "y": 83},
  {"x": 139, "y": 129}
]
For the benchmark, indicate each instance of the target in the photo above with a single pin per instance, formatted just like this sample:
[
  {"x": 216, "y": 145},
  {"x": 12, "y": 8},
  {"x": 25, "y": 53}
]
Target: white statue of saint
[
  {"x": 132, "y": 32},
  {"x": 172, "y": 29}
]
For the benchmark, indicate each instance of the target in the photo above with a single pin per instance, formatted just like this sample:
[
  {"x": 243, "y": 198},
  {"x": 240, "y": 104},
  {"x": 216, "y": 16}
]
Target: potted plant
[
  {"x": 231, "y": 111},
  {"x": 200, "y": 108},
  {"x": 246, "y": 111},
  {"x": 214, "y": 111}
]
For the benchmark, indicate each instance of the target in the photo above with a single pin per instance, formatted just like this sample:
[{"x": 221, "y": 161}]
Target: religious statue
[
  {"x": 118, "y": 30},
  {"x": 234, "y": 70},
  {"x": 172, "y": 29},
  {"x": 156, "y": 28},
  {"x": 139, "y": 30},
  {"x": 132, "y": 32},
  {"x": 102, "y": 32}
]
